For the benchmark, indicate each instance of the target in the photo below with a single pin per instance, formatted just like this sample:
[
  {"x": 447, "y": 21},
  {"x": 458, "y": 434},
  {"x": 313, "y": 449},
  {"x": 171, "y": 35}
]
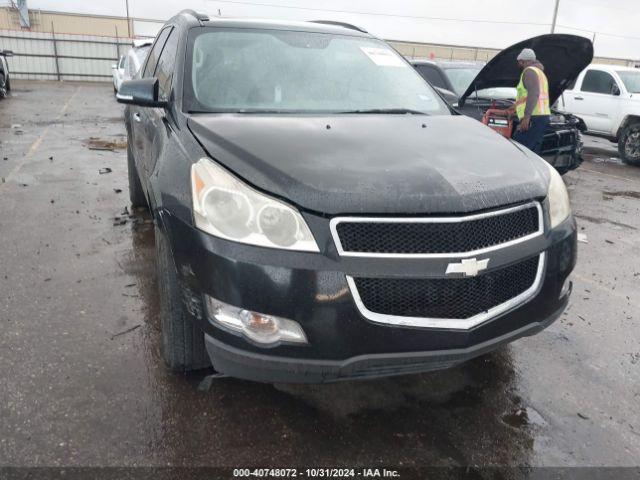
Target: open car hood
[{"x": 563, "y": 56}]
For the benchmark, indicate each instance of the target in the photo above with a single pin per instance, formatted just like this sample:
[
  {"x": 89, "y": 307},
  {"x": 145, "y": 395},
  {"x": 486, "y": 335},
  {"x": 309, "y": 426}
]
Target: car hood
[
  {"x": 400, "y": 164},
  {"x": 563, "y": 56}
]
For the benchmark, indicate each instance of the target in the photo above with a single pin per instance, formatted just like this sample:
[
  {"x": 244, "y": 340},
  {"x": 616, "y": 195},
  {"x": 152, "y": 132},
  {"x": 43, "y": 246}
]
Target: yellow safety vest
[{"x": 542, "y": 106}]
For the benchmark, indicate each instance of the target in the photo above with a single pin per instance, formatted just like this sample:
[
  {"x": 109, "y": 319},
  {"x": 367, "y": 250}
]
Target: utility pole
[
  {"x": 555, "y": 17},
  {"x": 128, "y": 21}
]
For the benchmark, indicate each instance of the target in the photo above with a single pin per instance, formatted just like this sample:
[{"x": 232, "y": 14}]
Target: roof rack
[
  {"x": 201, "y": 17},
  {"x": 340, "y": 24}
]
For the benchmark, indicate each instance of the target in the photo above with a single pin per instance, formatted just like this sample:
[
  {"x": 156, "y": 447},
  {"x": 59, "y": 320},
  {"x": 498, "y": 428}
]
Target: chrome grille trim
[
  {"x": 452, "y": 323},
  {"x": 333, "y": 224}
]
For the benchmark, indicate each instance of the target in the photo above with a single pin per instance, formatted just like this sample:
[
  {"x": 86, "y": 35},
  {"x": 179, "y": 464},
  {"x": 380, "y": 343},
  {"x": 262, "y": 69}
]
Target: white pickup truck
[{"x": 607, "y": 98}]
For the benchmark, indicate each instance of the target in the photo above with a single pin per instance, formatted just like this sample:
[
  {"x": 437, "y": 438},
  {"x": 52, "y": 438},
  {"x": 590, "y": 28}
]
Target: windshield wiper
[{"x": 391, "y": 111}]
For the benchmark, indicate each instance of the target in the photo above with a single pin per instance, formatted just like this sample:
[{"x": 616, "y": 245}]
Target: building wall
[
  {"x": 66, "y": 23},
  {"x": 447, "y": 52}
]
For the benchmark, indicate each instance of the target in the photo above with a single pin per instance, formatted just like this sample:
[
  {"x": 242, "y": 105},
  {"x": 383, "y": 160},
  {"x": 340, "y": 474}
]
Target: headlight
[
  {"x": 559, "y": 206},
  {"x": 228, "y": 208}
]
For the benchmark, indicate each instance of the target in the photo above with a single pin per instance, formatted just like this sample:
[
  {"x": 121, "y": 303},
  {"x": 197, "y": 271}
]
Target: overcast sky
[{"x": 487, "y": 23}]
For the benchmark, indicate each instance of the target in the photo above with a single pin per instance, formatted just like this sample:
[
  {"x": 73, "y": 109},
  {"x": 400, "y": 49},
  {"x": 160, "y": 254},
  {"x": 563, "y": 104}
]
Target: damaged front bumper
[{"x": 312, "y": 290}]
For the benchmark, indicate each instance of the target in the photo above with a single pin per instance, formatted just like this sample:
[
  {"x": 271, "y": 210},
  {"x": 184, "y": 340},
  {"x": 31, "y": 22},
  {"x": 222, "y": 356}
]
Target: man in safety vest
[{"x": 532, "y": 102}]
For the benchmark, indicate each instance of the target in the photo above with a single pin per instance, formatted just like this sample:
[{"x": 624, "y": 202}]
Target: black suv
[
  {"x": 473, "y": 88},
  {"x": 322, "y": 214}
]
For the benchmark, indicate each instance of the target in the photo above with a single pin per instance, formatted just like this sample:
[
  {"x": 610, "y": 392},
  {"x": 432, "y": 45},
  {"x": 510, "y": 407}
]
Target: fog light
[
  {"x": 566, "y": 288},
  {"x": 266, "y": 330}
]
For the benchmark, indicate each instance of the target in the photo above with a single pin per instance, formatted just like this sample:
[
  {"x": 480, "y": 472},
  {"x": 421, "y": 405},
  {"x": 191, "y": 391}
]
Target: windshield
[
  {"x": 461, "y": 78},
  {"x": 631, "y": 81},
  {"x": 275, "y": 71}
]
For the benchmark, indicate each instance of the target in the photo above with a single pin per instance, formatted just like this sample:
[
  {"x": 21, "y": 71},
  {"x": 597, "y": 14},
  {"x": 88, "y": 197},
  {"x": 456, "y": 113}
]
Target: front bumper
[
  {"x": 312, "y": 290},
  {"x": 259, "y": 367},
  {"x": 562, "y": 148}
]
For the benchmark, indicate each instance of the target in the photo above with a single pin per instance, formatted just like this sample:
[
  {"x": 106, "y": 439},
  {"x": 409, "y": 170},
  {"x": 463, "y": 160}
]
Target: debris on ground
[
  {"x": 583, "y": 416},
  {"x": 104, "y": 170},
  {"x": 95, "y": 143},
  {"x": 128, "y": 330},
  {"x": 205, "y": 384},
  {"x": 117, "y": 190},
  {"x": 582, "y": 238},
  {"x": 625, "y": 193}
]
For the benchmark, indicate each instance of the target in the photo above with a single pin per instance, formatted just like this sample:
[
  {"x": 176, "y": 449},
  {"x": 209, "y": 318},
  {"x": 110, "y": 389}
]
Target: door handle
[
  {"x": 136, "y": 117},
  {"x": 578, "y": 98}
]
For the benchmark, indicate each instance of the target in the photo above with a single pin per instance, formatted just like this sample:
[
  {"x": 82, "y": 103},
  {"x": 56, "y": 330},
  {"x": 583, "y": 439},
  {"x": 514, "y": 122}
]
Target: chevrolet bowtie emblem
[{"x": 468, "y": 267}]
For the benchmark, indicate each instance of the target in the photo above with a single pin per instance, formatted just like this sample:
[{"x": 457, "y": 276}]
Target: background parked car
[
  {"x": 117, "y": 70},
  {"x": 129, "y": 65},
  {"x": 607, "y": 97},
  {"x": 474, "y": 87},
  {"x": 5, "y": 83}
]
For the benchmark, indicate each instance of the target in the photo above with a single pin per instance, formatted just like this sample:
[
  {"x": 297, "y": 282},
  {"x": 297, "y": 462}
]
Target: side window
[
  {"x": 164, "y": 70},
  {"x": 432, "y": 75},
  {"x": 154, "y": 54},
  {"x": 121, "y": 62},
  {"x": 597, "y": 81}
]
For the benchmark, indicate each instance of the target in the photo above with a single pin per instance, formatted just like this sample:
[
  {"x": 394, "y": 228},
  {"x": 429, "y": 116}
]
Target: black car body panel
[
  {"x": 392, "y": 166},
  {"x": 563, "y": 56},
  {"x": 356, "y": 167}
]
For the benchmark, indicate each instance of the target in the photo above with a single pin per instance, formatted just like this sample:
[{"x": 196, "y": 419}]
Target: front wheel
[
  {"x": 629, "y": 144},
  {"x": 183, "y": 345}
]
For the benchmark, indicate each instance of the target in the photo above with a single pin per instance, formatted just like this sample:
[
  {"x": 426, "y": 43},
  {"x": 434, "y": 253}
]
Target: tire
[
  {"x": 629, "y": 144},
  {"x": 115, "y": 90},
  {"x": 183, "y": 347},
  {"x": 7, "y": 85},
  {"x": 136, "y": 194}
]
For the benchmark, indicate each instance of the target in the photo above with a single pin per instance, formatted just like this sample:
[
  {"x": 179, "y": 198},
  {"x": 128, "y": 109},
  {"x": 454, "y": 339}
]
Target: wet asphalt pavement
[{"x": 82, "y": 381}]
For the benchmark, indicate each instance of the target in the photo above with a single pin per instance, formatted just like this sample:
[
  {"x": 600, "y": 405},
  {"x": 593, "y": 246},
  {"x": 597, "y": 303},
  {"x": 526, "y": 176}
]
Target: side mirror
[
  {"x": 7, "y": 53},
  {"x": 615, "y": 90},
  {"x": 114, "y": 66},
  {"x": 142, "y": 92}
]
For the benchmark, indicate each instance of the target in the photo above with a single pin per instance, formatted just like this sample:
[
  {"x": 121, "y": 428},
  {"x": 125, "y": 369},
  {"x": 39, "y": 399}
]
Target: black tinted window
[
  {"x": 164, "y": 70},
  {"x": 431, "y": 75},
  {"x": 597, "y": 81},
  {"x": 155, "y": 53}
]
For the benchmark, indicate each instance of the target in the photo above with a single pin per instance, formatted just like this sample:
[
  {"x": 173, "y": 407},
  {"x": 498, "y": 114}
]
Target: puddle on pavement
[{"x": 609, "y": 160}]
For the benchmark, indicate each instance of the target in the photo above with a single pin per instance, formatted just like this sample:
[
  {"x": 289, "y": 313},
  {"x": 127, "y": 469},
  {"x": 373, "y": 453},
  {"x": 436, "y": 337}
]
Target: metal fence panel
[{"x": 47, "y": 56}]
